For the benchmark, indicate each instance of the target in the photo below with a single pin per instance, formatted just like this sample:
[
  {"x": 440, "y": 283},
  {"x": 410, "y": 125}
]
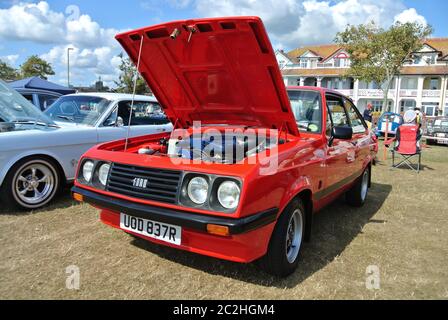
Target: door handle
[{"x": 350, "y": 159}]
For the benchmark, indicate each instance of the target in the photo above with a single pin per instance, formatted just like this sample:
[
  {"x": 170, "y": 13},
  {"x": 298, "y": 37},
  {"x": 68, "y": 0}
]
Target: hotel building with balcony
[{"x": 422, "y": 82}]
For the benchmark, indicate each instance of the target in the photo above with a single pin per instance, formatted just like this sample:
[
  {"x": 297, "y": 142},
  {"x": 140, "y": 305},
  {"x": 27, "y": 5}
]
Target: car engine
[{"x": 222, "y": 149}]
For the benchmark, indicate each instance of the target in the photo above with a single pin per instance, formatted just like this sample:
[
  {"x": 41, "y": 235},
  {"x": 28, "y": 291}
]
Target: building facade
[{"x": 422, "y": 82}]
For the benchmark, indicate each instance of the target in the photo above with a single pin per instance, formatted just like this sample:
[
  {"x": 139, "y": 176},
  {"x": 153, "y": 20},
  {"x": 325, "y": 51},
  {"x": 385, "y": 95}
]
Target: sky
[{"x": 47, "y": 28}]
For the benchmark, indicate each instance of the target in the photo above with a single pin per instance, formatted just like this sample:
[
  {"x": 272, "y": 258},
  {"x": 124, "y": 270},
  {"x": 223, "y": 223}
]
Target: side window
[
  {"x": 143, "y": 113},
  {"x": 112, "y": 119},
  {"x": 307, "y": 109},
  {"x": 355, "y": 119},
  {"x": 46, "y": 100},
  {"x": 337, "y": 112},
  {"x": 29, "y": 97}
]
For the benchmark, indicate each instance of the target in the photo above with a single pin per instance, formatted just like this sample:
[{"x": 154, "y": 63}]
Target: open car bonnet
[{"x": 217, "y": 71}]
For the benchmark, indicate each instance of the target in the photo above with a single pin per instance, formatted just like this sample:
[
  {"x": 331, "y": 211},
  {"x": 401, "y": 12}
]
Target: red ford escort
[{"x": 249, "y": 161}]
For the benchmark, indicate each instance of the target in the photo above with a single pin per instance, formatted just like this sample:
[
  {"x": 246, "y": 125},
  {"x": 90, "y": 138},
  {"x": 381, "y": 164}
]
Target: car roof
[
  {"x": 30, "y": 91},
  {"x": 114, "y": 96},
  {"x": 318, "y": 89}
]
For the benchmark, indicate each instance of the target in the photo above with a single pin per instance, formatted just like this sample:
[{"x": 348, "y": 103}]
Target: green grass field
[{"x": 403, "y": 230}]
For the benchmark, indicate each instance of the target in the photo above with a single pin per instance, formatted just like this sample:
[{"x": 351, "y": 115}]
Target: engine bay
[{"x": 222, "y": 148}]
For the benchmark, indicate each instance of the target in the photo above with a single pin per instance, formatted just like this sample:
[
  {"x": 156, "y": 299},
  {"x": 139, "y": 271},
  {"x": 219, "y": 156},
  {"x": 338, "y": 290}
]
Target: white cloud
[
  {"x": 410, "y": 15},
  {"x": 94, "y": 46},
  {"x": 10, "y": 59},
  {"x": 86, "y": 62},
  {"x": 34, "y": 22},
  {"x": 84, "y": 32},
  {"x": 322, "y": 20},
  {"x": 38, "y": 23}
]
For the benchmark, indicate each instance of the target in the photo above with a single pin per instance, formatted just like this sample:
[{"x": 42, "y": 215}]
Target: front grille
[{"x": 162, "y": 185}]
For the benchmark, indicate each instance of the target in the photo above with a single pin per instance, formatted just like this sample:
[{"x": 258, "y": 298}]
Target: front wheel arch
[
  {"x": 306, "y": 196},
  {"x": 47, "y": 157},
  {"x": 307, "y": 199}
]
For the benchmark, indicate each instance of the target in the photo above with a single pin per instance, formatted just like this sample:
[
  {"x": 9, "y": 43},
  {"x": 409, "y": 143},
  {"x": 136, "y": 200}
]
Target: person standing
[
  {"x": 368, "y": 113},
  {"x": 419, "y": 117}
]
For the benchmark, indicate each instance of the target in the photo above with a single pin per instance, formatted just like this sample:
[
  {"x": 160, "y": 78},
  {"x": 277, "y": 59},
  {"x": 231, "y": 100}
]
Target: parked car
[
  {"x": 40, "y": 92},
  {"x": 301, "y": 148},
  {"x": 437, "y": 132},
  {"x": 39, "y": 152},
  {"x": 395, "y": 121},
  {"x": 42, "y": 99}
]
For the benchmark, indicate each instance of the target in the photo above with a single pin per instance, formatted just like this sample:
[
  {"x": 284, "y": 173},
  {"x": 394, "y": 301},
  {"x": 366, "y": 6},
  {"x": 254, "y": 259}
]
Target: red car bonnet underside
[{"x": 223, "y": 73}]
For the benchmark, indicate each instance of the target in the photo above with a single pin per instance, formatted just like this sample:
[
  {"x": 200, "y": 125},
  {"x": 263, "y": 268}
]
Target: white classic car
[{"x": 39, "y": 152}]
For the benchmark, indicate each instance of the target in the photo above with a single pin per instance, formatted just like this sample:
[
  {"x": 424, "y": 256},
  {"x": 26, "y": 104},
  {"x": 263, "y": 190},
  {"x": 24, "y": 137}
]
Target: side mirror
[
  {"x": 120, "y": 122},
  {"x": 342, "y": 133}
]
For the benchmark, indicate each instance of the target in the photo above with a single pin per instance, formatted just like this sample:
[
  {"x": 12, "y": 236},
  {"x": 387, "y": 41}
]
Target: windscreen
[{"x": 85, "y": 110}]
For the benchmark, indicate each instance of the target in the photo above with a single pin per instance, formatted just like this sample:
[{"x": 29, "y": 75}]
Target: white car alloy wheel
[
  {"x": 294, "y": 236},
  {"x": 34, "y": 184}
]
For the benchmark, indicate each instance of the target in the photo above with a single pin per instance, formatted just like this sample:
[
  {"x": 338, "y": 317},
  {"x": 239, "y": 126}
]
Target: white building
[{"x": 422, "y": 83}]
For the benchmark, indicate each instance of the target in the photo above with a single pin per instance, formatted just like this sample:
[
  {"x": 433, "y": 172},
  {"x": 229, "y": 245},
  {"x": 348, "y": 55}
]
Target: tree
[
  {"x": 125, "y": 83},
  {"x": 7, "y": 72},
  {"x": 377, "y": 54},
  {"x": 36, "y": 67}
]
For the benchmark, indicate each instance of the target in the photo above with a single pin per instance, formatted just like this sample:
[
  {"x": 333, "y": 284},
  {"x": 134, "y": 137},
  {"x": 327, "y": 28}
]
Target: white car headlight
[
  {"x": 229, "y": 194},
  {"x": 103, "y": 173},
  {"x": 87, "y": 170},
  {"x": 198, "y": 190}
]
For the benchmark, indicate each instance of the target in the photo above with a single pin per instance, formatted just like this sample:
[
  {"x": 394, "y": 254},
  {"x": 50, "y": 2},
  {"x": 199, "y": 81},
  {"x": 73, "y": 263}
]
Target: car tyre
[
  {"x": 357, "y": 195},
  {"x": 284, "y": 249},
  {"x": 31, "y": 184}
]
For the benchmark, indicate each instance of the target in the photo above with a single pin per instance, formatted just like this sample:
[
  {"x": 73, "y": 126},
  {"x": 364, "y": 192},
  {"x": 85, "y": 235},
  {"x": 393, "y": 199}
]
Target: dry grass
[{"x": 403, "y": 229}]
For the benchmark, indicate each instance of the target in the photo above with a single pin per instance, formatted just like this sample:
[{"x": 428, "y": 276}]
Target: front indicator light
[
  {"x": 218, "y": 230},
  {"x": 78, "y": 197}
]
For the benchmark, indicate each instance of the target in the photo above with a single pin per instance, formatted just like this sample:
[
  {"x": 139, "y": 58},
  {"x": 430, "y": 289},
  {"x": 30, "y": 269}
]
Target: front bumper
[{"x": 248, "y": 239}]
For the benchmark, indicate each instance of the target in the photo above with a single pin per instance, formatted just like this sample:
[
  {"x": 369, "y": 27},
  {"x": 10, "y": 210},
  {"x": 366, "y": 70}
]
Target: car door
[
  {"x": 143, "y": 122},
  {"x": 340, "y": 161},
  {"x": 361, "y": 140}
]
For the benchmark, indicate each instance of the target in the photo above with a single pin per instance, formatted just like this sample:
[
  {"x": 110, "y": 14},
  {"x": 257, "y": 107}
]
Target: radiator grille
[{"x": 158, "y": 185}]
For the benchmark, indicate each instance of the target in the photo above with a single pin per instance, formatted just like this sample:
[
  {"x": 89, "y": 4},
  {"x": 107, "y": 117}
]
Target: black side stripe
[{"x": 331, "y": 189}]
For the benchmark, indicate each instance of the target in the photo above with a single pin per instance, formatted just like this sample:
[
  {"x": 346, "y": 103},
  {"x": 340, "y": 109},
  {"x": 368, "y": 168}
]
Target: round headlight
[
  {"x": 229, "y": 194},
  {"x": 103, "y": 173},
  {"x": 87, "y": 170},
  {"x": 198, "y": 190}
]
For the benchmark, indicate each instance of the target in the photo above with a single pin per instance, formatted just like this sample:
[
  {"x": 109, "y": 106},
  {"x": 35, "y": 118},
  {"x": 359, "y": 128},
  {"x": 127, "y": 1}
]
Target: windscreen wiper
[
  {"x": 66, "y": 118},
  {"x": 36, "y": 123}
]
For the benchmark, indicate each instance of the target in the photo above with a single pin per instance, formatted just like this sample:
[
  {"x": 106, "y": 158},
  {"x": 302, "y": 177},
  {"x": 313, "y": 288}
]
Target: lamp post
[{"x": 68, "y": 66}]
